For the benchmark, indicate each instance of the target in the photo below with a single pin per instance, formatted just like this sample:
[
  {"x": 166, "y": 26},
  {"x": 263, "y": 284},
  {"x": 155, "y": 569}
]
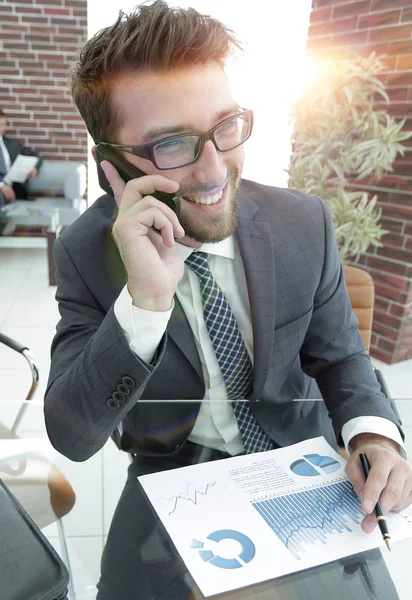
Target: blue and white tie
[{"x": 231, "y": 353}]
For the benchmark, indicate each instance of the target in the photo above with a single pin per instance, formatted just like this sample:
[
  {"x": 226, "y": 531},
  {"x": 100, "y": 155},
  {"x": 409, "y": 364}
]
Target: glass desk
[{"x": 151, "y": 568}]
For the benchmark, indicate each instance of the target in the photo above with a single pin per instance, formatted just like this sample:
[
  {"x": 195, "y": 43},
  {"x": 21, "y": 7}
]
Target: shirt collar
[{"x": 225, "y": 248}]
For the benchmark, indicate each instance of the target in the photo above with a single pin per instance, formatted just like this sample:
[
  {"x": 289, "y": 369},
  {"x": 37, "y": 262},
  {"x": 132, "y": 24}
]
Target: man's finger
[
  {"x": 394, "y": 489},
  {"x": 375, "y": 484},
  {"x": 406, "y": 497}
]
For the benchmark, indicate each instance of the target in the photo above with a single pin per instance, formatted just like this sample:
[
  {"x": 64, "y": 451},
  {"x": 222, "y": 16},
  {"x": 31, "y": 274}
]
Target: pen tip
[{"x": 388, "y": 543}]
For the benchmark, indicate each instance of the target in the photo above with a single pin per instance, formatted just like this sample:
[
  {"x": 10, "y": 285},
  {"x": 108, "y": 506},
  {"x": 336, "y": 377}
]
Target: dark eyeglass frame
[{"x": 147, "y": 150}]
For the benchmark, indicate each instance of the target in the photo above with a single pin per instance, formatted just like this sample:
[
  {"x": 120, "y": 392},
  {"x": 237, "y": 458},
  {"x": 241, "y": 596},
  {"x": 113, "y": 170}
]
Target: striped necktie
[{"x": 231, "y": 354}]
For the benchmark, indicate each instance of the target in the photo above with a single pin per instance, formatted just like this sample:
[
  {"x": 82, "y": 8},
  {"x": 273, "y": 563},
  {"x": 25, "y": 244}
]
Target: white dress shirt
[
  {"x": 6, "y": 156},
  {"x": 216, "y": 425}
]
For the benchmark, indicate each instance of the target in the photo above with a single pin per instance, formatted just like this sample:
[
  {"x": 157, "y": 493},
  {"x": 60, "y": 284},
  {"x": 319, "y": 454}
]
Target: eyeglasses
[{"x": 184, "y": 149}]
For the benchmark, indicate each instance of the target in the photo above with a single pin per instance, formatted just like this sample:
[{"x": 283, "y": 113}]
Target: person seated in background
[{"x": 10, "y": 148}]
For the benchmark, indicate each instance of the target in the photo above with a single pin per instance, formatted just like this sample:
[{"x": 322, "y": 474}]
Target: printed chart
[
  {"x": 305, "y": 518},
  {"x": 192, "y": 493},
  {"x": 312, "y": 465}
]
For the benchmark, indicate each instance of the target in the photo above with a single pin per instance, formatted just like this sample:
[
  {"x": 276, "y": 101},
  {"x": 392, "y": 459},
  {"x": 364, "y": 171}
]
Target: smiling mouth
[{"x": 211, "y": 199}]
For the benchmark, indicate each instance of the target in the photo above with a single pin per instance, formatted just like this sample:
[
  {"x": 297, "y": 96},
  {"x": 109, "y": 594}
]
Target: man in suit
[
  {"x": 10, "y": 148},
  {"x": 240, "y": 298}
]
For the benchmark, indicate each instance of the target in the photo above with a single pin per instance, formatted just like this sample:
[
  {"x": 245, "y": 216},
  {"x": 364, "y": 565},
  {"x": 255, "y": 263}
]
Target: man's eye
[{"x": 175, "y": 145}]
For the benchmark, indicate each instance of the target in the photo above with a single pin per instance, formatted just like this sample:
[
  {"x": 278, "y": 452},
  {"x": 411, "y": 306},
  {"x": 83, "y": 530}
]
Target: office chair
[
  {"x": 361, "y": 291},
  {"x": 41, "y": 488},
  {"x": 29, "y": 566}
]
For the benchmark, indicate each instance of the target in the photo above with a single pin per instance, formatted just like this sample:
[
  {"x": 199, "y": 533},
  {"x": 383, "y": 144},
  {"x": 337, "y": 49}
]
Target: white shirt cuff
[
  {"x": 378, "y": 425},
  {"x": 143, "y": 329}
]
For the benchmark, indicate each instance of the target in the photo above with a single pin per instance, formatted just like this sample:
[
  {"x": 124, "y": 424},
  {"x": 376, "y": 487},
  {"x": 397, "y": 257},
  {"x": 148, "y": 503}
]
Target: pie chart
[{"x": 312, "y": 465}]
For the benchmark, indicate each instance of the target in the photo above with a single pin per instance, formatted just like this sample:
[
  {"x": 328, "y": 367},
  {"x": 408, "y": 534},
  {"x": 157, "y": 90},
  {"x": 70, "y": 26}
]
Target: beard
[{"x": 213, "y": 227}]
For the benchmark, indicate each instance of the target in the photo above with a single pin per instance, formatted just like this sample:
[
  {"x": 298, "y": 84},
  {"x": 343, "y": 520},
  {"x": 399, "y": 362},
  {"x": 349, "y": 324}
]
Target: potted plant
[{"x": 340, "y": 138}]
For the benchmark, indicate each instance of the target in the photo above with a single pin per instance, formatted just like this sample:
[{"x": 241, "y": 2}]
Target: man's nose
[{"x": 210, "y": 166}]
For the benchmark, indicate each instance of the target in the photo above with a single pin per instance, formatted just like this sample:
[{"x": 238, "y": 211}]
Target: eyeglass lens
[{"x": 182, "y": 150}]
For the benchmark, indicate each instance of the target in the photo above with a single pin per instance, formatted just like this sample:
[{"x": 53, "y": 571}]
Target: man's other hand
[
  {"x": 33, "y": 173},
  {"x": 389, "y": 480},
  {"x": 8, "y": 192}
]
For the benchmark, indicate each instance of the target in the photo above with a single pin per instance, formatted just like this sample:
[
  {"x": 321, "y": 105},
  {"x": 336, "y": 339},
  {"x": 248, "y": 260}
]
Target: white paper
[
  {"x": 20, "y": 169},
  {"x": 244, "y": 520}
]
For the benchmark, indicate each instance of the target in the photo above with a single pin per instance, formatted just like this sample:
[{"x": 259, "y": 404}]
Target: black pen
[{"x": 380, "y": 517}]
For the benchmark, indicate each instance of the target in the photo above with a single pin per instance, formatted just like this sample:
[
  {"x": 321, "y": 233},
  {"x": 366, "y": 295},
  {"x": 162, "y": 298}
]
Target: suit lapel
[
  {"x": 256, "y": 248},
  {"x": 179, "y": 330}
]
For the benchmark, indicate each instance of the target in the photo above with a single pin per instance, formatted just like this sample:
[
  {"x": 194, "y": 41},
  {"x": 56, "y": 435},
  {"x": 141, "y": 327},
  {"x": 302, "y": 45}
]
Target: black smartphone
[{"x": 127, "y": 171}]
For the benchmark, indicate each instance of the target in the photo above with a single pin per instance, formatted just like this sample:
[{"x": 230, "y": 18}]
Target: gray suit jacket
[{"x": 305, "y": 337}]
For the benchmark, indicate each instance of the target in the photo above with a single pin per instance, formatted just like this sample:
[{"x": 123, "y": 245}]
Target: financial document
[
  {"x": 247, "y": 519},
  {"x": 20, "y": 169}
]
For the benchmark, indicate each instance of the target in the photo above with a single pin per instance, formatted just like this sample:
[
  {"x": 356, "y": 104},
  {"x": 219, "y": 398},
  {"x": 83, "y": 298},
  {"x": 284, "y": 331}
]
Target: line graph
[
  {"x": 190, "y": 495},
  {"x": 311, "y": 516}
]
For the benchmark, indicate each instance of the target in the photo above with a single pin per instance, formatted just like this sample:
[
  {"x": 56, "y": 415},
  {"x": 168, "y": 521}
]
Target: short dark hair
[
  {"x": 2, "y": 113},
  {"x": 155, "y": 38}
]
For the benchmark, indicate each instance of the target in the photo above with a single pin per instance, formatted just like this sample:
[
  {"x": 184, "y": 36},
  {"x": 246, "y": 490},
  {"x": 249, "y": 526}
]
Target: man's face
[
  {"x": 192, "y": 100},
  {"x": 3, "y": 125}
]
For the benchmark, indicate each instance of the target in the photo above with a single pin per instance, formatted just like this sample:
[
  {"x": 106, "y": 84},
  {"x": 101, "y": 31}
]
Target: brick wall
[
  {"x": 341, "y": 28},
  {"x": 37, "y": 42}
]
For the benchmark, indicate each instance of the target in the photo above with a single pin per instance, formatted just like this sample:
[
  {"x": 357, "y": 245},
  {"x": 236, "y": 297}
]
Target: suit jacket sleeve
[
  {"x": 333, "y": 350},
  {"x": 90, "y": 357},
  {"x": 15, "y": 148}
]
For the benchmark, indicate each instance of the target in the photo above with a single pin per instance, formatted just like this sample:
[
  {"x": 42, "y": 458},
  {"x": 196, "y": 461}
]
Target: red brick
[
  {"x": 353, "y": 8},
  {"x": 397, "y": 32},
  {"x": 393, "y": 226},
  {"x": 333, "y": 26},
  {"x": 388, "y": 266},
  {"x": 380, "y": 354},
  {"x": 408, "y": 244},
  {"x": 389, "y": 293},
  {"x": 356, "y": 37},
  {"x": 409, "y": 98},
  {"x": 399, "y": 94},
  {"x": 384, "y": 4},
  {"x": 404, "y": 62},
  {"x": 387, "y": 345},
  {"x": 392, "y": 239},
  {"x": 382, "y": 278},
  {"x": 395, "y": 254},
  {"x": 395, "y": 309},
  {"x": 401, "y": 78},
  {"x": 407, "y": 14},
  {"x": 384, "y": 332},
  {"x": 388, "y": 63},
  {"x": 56, "y": 11},
  {"x": 380, "y": 18},
  {"x": 400, "y": 199},
  {"x": 33, "y": 10},
  {"x": 403, "y": 47}
]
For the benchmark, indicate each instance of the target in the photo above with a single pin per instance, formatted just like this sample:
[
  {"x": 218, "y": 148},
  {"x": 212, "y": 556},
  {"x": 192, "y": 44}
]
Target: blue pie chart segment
[
  {"x": 311, "y": 463},
  {"x": 301, "y": 467},
  {"x": 326, "y": 463}
]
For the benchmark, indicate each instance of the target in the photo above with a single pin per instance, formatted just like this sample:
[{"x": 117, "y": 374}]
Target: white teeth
[{"x": 206, "y": 199}]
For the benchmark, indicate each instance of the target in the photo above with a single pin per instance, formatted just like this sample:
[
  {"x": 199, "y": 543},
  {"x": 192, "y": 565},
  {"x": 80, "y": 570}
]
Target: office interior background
[{"x": 37, "y": 42}]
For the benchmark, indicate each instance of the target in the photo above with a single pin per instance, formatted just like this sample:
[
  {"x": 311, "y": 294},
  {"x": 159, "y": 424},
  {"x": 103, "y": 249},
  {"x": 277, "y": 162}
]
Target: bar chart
[{"x": 308, "y": 517}]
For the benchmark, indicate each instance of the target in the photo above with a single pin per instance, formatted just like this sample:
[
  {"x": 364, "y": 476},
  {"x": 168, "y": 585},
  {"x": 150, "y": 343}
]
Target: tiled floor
[{"x": 28, "y": 312}]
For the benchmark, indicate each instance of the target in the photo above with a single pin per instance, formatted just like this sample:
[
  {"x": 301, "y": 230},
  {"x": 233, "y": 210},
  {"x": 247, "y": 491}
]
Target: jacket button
[
  {"x": 123, "y": 389},
  {"x": 112, "y": 403},
  {"x": 129, "y": 382},
  {"x": 118, "y": 397}
]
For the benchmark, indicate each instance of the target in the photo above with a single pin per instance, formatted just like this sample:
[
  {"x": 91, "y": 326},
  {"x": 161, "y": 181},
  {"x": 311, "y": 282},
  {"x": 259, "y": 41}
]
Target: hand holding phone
[{"x": 145, "y": 230}]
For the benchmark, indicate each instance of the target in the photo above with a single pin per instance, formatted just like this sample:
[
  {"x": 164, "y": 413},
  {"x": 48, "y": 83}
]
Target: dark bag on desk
[{"x": 30, "y": 569}]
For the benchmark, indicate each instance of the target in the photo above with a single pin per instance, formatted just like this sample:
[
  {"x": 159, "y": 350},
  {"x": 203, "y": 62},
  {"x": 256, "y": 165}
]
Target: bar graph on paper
[{"x": 309, "y": 517}]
